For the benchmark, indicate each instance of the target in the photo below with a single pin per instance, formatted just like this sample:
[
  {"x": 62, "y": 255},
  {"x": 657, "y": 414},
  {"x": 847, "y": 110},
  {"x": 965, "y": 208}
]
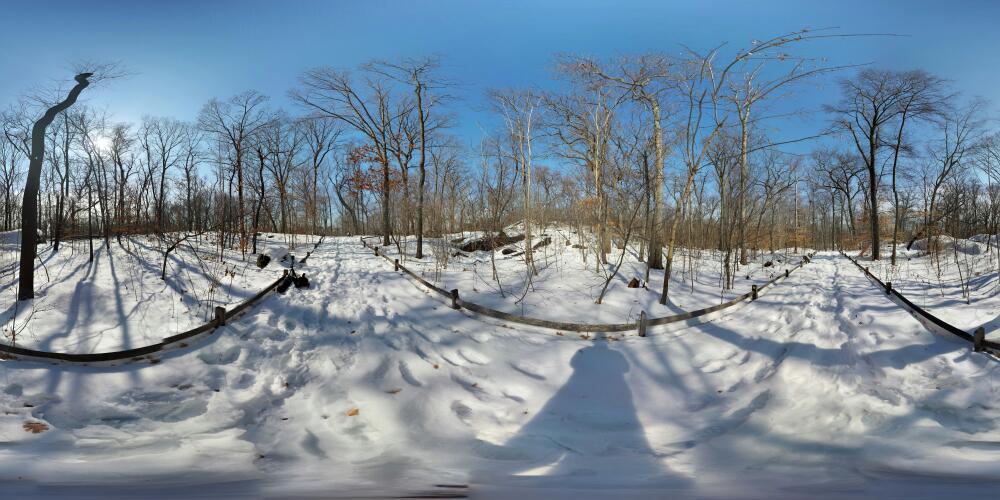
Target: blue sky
[{"x": 183, "y": 53}]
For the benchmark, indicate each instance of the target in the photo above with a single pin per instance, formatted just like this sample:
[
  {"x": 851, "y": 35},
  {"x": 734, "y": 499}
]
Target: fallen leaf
[
  {"x": 36, "y": 427},
  {"x": 353, "y": 412},
  {"x": 393, "y": 391}
]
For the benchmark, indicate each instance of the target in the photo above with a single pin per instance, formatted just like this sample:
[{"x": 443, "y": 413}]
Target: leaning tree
[{"x": 29, "y": 211}]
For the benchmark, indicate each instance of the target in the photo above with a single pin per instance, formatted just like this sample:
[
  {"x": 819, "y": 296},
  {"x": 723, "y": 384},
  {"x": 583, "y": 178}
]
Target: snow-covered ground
[
  {"x": 119, "y": 300},
  {"x": 570, "y": 279},
  {"x": 366, "y": 384},
  {"x": 959, "y": 284}
]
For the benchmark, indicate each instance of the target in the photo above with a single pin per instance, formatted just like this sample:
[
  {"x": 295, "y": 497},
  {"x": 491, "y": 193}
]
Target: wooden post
[
  {"x": 753, "y": 292},
  {"x": 978, "y": 338},
  {"x": 454, "y": 299},
  {"x": 395, "y": 264},
  {"x": 220, "y": 316},
  {"x": 642, "y": 323},
  {"x": 888, "y": 287}
]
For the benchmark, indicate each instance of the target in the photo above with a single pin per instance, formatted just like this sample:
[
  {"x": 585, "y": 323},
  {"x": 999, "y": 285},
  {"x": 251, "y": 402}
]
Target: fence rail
[
  {"x": 978, "y": 337},
  {"x": 11, "y": 352},
  {"x": 640, "y": 325}
]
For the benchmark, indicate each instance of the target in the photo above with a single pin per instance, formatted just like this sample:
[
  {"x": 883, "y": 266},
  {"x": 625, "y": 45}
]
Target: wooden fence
[
  {"x": 640, "y": 325},
  {"x": 180, "y": 340},
  {"x": 977, "y": 337}
]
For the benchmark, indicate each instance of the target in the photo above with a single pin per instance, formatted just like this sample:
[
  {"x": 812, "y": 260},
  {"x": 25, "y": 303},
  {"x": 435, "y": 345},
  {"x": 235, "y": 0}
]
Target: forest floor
[{"x": 366, "y": 384}]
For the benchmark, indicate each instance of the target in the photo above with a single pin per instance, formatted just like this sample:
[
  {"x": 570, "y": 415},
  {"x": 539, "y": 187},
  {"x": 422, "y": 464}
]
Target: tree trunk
[
  {"x": 423, "y": 174},
  {"x": 873, "y": 194},
  {"x": 655, "y": 251},
  {"x": 29, "y": 210}
]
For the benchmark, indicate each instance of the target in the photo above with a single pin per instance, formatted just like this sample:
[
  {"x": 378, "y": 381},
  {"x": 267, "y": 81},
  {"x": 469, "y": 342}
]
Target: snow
[
  {"x": 959, "y": 286},
  {"x": 570, "y": 280},
  {"x": 118, "y": 301},
  {"x": 947, "y": 243},
  {"x": 822, "y": 388}
]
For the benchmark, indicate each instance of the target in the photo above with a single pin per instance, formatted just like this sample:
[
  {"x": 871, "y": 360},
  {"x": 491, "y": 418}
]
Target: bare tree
[
  {"x": 29, "y": 210},
  {"x": 518, "y": 110},
  {"x": 332, "y": 93},
  {"x": 232, "y": 122}
]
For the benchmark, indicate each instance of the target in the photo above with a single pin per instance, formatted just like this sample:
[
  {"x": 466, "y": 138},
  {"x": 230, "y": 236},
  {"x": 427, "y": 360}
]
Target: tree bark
[{"x": 29, "y": 211}]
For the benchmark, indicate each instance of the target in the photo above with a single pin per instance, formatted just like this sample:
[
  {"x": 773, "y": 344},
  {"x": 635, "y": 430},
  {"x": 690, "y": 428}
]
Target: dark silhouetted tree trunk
[{"x": 29, "y": 213}]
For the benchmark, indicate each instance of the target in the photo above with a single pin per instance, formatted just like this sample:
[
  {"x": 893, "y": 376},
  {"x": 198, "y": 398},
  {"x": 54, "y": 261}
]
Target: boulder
[
  {"x": 263, "y": 260},
  {"x": 544, "y": 242},
  {"x": 947, "y": 243},
  {"x": 491, "y": 242}
]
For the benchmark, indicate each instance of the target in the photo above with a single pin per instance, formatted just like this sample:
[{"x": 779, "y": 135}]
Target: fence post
[
  {"x": 753, "y": 292},
  {"x": 642, "y": 323},
  {"x": 395, "y": 264},
  {"x": 220, "y": 316},
  {"x": 978, "y": 338},
  {"x": 888, "y": 287},
  {"x": 454, "y": 299}
]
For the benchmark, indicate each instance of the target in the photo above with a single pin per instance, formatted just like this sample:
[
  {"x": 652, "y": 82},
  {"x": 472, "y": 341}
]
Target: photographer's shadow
[{"x": 588, "y": 429}]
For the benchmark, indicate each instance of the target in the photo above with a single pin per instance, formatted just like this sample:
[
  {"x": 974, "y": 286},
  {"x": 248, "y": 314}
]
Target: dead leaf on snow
[
  {"x": 353, "y": 412},
  {"x": 36, "y": 427}
]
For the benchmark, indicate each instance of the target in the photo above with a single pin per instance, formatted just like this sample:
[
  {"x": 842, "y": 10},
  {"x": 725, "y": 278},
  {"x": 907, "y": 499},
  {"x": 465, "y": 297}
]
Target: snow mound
[
  {"x": 948, "y": 243},
  {"x": 986, "y": 239}
]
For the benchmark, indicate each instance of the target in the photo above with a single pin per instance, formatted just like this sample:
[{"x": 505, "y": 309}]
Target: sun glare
[{"x": 102, "y": 143}]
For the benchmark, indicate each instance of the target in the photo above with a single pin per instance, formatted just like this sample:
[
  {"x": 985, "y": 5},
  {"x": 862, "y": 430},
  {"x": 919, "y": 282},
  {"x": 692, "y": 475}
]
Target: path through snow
[{"x": 822, "y": 386}]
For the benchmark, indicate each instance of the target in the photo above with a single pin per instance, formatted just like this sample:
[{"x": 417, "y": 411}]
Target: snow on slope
[
  {"x": 822, "y": 387},
  {"x": 959, "y": 284},
  {"x": 569, "y": 280},
  {"x": 118, "y": 301}
]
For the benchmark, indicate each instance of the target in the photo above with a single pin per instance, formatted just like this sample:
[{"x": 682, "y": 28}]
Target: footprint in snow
[
  {"x": 380, "y": 372},
  {"x": 714, "y": 366},
  {"x": 453, "y": 359},
  {"x": 462, "y": 411},
  {"x": 220, "y": 356},
  {"x": 527, "y": 369},
  {"x": 473, "y": 356},
  {"x": 468, "y": 384},
  {"x": 513, "y": 397},
  {"x": 404, "y": 371}
]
